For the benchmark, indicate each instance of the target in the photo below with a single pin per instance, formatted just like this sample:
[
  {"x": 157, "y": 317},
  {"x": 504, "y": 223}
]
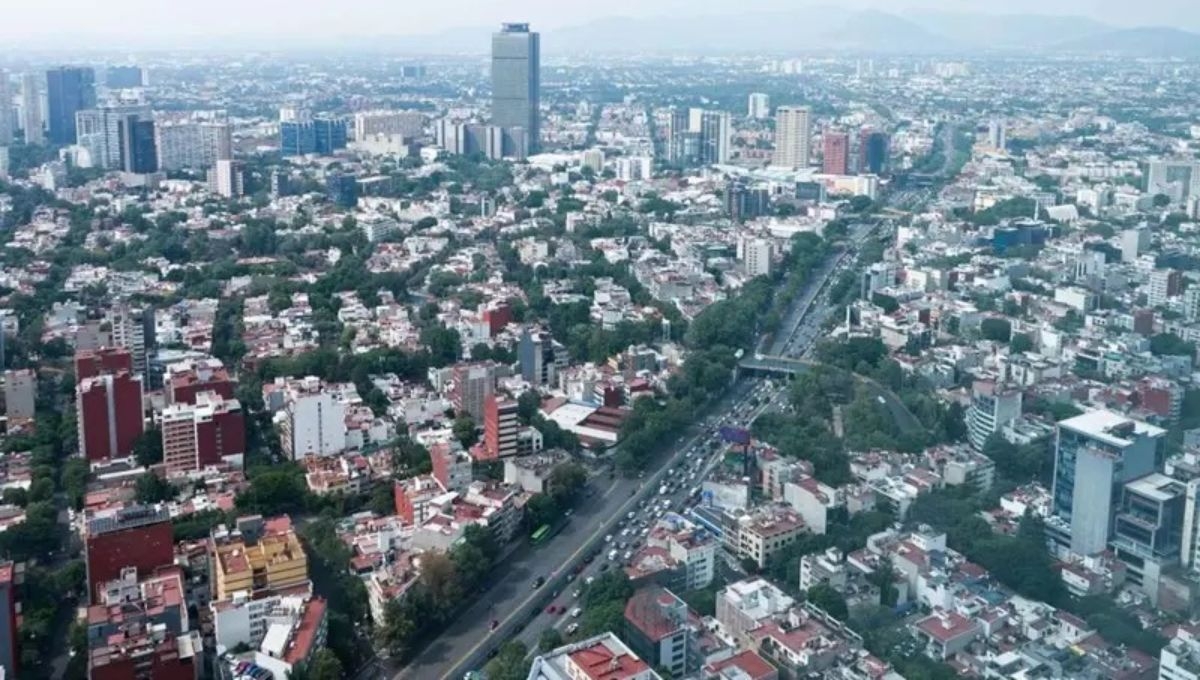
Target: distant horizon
[{"x": 72, "y": 26}]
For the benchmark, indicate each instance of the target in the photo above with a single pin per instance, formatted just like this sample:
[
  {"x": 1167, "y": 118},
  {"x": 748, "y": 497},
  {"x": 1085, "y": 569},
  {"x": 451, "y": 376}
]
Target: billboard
[{"x": 735, "y": 435}]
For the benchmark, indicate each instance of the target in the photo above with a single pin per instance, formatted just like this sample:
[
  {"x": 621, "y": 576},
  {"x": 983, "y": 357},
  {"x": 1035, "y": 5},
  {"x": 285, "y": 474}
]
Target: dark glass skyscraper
[
  {"x": 318, "y": 135},
  {"x": 69, "y": 90},
  {"x": 872, "y": 151},
  {"x": 139, "y": 154},
  {"x": 516, "y": 80}
]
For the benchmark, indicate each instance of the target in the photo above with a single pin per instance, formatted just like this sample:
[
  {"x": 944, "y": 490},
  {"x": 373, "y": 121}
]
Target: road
[{"x": 465, "y": 644}]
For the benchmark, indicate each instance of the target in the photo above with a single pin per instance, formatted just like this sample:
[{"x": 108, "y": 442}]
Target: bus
[{"x": 542, "y": 533}]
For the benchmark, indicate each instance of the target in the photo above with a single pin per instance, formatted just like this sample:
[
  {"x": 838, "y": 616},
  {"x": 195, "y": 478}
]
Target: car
[
  {"x": 539, "y": 582},
  {"x": 572, "y": 628},
  {"x": 577, "y": 593},
  {"x": 589, "y": 580},
  {"x": 608, "y": 538},
  {"x": 495, "y": 624},
  {"x": 551, "y": 609},
  {"x": 576, "y": 612}
]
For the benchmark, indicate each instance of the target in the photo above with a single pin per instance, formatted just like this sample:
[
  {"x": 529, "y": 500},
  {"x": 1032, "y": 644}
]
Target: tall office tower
[
  {"x": 997, "y": 135},
  {"x": 69, "y": 90},
  {"x": 473, "y": 384},
  {"x": 516, "y": 81},
  {"x": 138, "y": 153},
  {"x": 537, "y": 359},
  {"x": 192, "y": 145},
  {"x": 872, "y": 151},
  {"x": 792, "y": 136},
  {"x": 109, "y": 409},
  {"x": 1178, "y": 180},
  {"x": 342, "y": 189},
  {"x": 835, "y": 157},
  {"x": 31, "y": 109},
  {"x": 330, "y": 134},
  {"x": 322, "y": 135},
  {"x": 715, "y": 136},
  {"x": 120, "y": 77},
  {"x": 6, "y": 110},
  {"x": 760, "y": 106},
  {"x": 678, "y": 128},
  {"x": 1096, "y": 453}
]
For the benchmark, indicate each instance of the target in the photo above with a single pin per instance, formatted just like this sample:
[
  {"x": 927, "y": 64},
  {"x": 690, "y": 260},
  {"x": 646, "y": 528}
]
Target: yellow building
[{"x": 258, "y": 555}]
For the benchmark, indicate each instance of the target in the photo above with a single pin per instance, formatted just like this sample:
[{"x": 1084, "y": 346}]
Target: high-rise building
[
  {"x": 69, "y": 90},
  {"x": 1096, "y": 453},
  {"x": 342, "y": 188},
  {"x": 1191, "y": 304},
  {"x": 792, "y": 136},
  {"x": 10, "y": 655},
  {"x": 109, "y": 409},
  {"x": 472, "y": 385},
  {"x": 115, "y": 539},
  {"x": 20, "y": 395},
  {"x": 313, "y": 421},
  {"x": 1175, "y": 179},
  {"x": 997, "y": 135},
  {"x": 225, "y": 178},
  {"x": 137, "y": 150},
  {"x": 184, "y": 380},
  {"x": 210, "y": 431},
  {"x": 192, "y": 145},
  {"x": 536, "y": 355},
  {"x": 99, "y": 130},
  {"x": 872, "y": 151},
  {"x": 1164, "y": 284},
  {"x": 993, "y": 406},
  {"x": 744, "y": 202},
  {"x": 31, "y": 109},
  {"x": 1148, "y": 527},
  {"x": 6, "y": 110},
  {"x": 678, "y": 133},
  {"x": 262, "y": 556},
  {"x": 500, "y": 427},
  {"x": 835, "y": 157},
  {"x": 129, "y": 331},
  {"x": 91, "y": 363},
  {"x": 715, "y": 137},
  {"x": 760, "y": 106},
  {"x": 758, "y": 255},
  {"x": 121, "y": 77},
  {"x": 516, "y": 81},
  {"x": 1134, "y": 242}
]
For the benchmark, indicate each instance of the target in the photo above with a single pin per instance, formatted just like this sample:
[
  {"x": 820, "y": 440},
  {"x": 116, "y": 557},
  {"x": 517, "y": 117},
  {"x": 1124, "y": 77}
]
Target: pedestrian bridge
[{"x": 774, "y": 365}]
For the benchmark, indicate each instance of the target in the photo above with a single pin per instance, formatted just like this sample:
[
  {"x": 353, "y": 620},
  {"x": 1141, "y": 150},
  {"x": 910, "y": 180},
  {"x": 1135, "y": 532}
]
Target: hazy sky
[{"x": 39, "y": 21}]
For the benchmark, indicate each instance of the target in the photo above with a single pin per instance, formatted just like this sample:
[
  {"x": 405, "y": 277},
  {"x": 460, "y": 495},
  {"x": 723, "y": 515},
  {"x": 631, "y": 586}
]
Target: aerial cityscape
[{"x": 830, "y": 343}]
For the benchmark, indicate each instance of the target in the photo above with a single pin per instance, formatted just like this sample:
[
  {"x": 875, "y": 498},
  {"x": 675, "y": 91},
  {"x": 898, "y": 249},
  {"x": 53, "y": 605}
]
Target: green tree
[
  {"x": 827, "y": 598},
  {"x": 465, "y": 431},
  {"x": 509, "y": 663},
  {"x": 996, "y": 329},
  {"x": 549, "y": 639},
  {"x": 1020, "y": 342},
  {"x": 147, "y": 448},
  {"x": 154, "y": 489}
]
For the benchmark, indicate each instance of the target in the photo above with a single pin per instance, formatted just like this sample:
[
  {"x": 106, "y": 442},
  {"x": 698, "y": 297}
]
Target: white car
[
  {"x": 572, "y": 628},
  {"x": 576, "y": 612}
]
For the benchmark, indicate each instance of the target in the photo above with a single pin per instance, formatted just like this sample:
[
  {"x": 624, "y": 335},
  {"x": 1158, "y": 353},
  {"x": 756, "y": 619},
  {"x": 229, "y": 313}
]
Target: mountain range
[{"x": 826, "y": 28}]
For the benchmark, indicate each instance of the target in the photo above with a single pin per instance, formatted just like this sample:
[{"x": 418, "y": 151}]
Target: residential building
[
  {"x": 689, "y": 545},
  {"x": 227, "y": 178},
  {"x": 1163, "y": 285},
  {"x": 516, "y": 82},
  {"x": 993, "y": 407},
  {"x": 6, "y": 118},
  {"x": 602, "y": 657},
  {"x": 245, "y": 617},
  {"x": 764, "y": 533},
  {"x": 69, "y": 90},
  {"x": 1180, "y": 658},
  {"x": 759, "y": 254},
  {"x": 133, "y": 330},
  {"x": 293, "y": 638},
  {"x": 452, "y": 467},
  {"x": 31, "y": 109},
  {"x": 500, "y": 427},
  {"x": 195, "y": 145},
  {"x": 140, "y": 628},
  {"x": 760, "y": 106},
  {"x": 1134, "y": 242},
  {"x": 408, "y": 124},
  {"x": 20, "y": 395},
  {"x": 793, "y": 130},
  {"x": 835, "y": 158},
  {"x": 209, "y": 431},
  {"x": 946, "y": 633},
  {"x": 135, "y": 536},
  {"x": 184, "y": 380},
  {"x": 1096, "y": 453},
  {"x": 997, "y": 135},
  {"x": 109, "y": 412},
  {"x": 471, "y": 386},
  {"x": 531, "y": 473},
  {"x": 312, "y": 421},
  {"x": 745, "y": 665},
  {"x": 656, "y": 629},
  {"x": 111, "y": 132},
  {"x": 259, "y": 554},
  {"x": 744, "y": 606},
  {"x": 716, "y": 136}
]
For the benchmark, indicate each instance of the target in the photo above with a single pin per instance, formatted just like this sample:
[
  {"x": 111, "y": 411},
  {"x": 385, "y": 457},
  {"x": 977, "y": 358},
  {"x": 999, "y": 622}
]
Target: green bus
[{"x": 541, "y": 534}]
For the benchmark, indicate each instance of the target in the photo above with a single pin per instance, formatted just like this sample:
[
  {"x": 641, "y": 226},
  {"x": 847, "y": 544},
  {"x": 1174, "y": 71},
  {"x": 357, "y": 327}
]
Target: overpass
[{"x": 766, "y": 365}]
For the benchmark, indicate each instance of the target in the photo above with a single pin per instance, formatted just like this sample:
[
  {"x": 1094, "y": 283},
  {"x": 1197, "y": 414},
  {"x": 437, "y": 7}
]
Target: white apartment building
[
  {"x": 312, "y": 421},
  {"x": 793, "y": 137}
]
